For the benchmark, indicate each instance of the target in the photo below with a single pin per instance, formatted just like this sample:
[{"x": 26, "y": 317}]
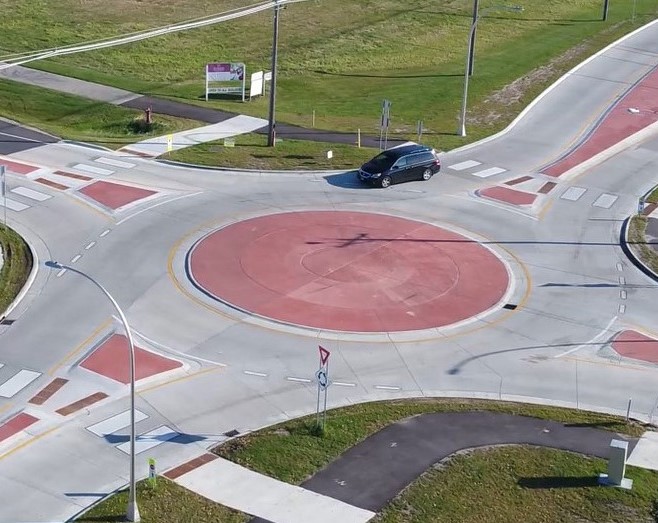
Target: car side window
[
  {"x": 402, "y": 162},
  {"x": 424, "y": 157}
]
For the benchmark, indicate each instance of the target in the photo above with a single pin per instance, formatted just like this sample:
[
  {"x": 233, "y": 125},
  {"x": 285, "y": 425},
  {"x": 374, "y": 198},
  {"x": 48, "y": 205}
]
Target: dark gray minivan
[{"x": 401, "y": 164}]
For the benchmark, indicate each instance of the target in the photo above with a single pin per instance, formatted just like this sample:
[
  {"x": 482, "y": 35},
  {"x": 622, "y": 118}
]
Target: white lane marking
[
  {"x": 605, "y": 201},
  {"x": 2, "y": 365},
  {"x": 76, "y": 258},
  {"x": 622, "y": 308},
  {"x": 620, "y": 267},
  {"x": 157, "y": 205},
  {"x": 32, "y": 195},
  {"x": 622, "y": 280},
  {"x": 254, "y": 373},
  {"x": 386, "y": 387},
  {"x": 150, "y": 439},
  {"x": 622, "y": 294},
  {"x": 105, "y": 233},
  {"x": 115, "y": 423},
  {"x": 343, "y": 384},
  {"x": 299, "y": 380},
  {"x": 464, "y": 165},
  {"x": 92, "y": 169},
  {"x": 573, "y": 193},
  {"x": 61, "y": 272},
  {"x": 489, "y": 172},
  {"x": 18, "y": 382},
  {"x": 22, "y": 138},
  {"x": 115, "y": 163},
  {"x": 165, "y": 348},
  {"x": 590, "y": 342},
  {"x": 13, "y": 205},
  {"x": 91, "y": 244}
]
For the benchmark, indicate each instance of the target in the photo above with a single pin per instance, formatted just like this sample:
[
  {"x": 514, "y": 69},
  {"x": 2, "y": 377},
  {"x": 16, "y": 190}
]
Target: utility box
[{"x": 617, "y": 466}]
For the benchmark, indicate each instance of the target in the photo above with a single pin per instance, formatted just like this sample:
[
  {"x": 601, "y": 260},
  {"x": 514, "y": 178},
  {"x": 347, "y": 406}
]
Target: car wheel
[
  {"x": 386, "y": 181},
  {"x": 427, "y": 174}
]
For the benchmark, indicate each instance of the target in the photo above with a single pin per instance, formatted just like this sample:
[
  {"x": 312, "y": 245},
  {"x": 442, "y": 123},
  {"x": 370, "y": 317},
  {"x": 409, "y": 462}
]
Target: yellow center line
[
  {"x": 34, "y": 439},
  {"x": 180, "y": 379}
]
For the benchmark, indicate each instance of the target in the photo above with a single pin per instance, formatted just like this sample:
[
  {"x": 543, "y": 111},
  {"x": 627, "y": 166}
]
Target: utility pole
[
  {"x": 471, "y": 57},
  {"x": 271, "y": 131},
  {"x": 605, "y": 9}
]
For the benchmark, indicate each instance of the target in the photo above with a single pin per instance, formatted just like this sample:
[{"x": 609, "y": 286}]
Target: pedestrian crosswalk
[
  {"x": 16, "y": 382},
  {"x": 110, "y": 429}
]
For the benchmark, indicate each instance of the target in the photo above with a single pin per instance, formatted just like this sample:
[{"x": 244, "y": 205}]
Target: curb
[
  {"x": 28, "y": 283},
  {"x": 259, "y": 172},
  {"x": 623, "y": 242}
]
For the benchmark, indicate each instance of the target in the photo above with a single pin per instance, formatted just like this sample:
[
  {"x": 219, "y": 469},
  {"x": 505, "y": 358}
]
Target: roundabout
[{"x": 349, "y": 271}]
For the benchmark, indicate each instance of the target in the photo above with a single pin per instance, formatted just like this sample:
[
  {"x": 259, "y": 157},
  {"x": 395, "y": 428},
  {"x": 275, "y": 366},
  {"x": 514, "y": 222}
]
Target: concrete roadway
[{"x": 241, "y": 373}]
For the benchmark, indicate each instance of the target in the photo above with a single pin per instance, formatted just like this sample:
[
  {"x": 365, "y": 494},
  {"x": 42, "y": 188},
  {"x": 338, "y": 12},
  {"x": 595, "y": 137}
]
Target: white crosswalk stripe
[
  {"x": 32, "y": 195},
  {"x": 13, "y": 205},
  {"x": 115, "y": 423},
  {"x": 573, "y": 193},
  {"x": 150, "y": 439},
  {"x": 18, "y": 382},
  {"x": 605, "y": 201},
  {"x": 92, "y": 169},
  {"x": 486, "y": 173},
  {"x": 115, "y": 163},
  {"x": 464, "y": 165}
]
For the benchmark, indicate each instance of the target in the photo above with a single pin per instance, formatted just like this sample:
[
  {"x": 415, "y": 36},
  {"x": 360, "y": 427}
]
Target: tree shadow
[
  {"x": 548, "y": 482},
  {"x": 594, "y": 424},
  {"x": 103, "y": 518},
  {"x": 387, "y": 76}
]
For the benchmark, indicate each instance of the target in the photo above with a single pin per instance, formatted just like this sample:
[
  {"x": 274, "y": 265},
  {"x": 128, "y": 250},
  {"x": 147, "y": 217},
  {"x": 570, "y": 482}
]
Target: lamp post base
[{"x": 132, "y": 513}]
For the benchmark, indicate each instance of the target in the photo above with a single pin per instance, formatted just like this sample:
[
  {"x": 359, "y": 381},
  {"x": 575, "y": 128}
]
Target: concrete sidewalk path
[
  {"x": 234, "y": 486},
  {"x": 159, "y": 145}
]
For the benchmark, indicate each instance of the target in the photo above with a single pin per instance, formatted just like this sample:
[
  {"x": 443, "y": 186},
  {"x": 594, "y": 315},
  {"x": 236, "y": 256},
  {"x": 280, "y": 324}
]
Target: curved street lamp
[
  {"x": 515, "y": 9},
  {"x": 132, "y": 511}
]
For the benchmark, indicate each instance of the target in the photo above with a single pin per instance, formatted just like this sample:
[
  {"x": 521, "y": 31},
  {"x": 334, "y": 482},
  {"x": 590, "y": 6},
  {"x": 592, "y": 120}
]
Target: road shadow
[
  {"x": 171, "y": 437},
  {"x": 346, "y": 180},
  {"x": 600, "y": 424},
  {"x": 559, "y": 482}
]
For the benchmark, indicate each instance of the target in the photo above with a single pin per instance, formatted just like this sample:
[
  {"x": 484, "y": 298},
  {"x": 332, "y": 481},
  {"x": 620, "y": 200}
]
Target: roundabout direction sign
[{"x": 323, "y": 379}]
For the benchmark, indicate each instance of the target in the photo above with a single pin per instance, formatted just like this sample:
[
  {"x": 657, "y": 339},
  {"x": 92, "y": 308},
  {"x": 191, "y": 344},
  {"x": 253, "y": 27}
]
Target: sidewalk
[
  {"x": 122, "y": 98},
  {"x": 368, "y": 476}
]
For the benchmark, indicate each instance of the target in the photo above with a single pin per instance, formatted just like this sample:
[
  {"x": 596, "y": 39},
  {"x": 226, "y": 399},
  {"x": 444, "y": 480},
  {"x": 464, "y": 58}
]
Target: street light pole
[
  {"x": 605, "y": 10},
  {"x": 271, "y": 130},
  {"x": 132, "y": 511},
  {"x": 461, "y": 131},
  {"x": 471, "y": 54}
]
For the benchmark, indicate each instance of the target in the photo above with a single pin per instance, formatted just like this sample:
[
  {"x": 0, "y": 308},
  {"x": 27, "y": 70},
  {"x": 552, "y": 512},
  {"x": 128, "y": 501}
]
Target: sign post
[
  {"x": 385, "y": 121},
  {"x": 152, "y": 479},
  {"x": 170, "y": 143},
  {"x": 3, "y": 192},
  {"x": 322, "y": 377}
]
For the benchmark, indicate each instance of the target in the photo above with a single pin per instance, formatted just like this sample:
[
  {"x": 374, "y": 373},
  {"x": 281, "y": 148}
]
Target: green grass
[
  {"x": 653, "y": 196},
  {"x": 251, "y": 151},
  {"x": 167, "y": 502},
  {"x": 339, "y": 58},
  {"x": 638, "y": 242},
  {"x": 16, "y": 268},
  {"x": 76, "y": 118},
  {"x": 292, "y": 453},
  {"x": 533, "y": 485}
]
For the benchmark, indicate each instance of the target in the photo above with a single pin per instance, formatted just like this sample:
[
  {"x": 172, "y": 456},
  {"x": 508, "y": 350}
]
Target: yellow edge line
[
  {"x": 608, "y": 364},
  {"x": 79, "y": 347},
  {"x": 180, "y": 379},
  {"x": 90, "y": 207},
  {"x": 34, "y": 439},
  {"x": 6, "y": 406}
]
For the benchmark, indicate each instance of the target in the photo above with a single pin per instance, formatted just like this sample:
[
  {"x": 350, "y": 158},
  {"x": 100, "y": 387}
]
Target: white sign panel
[
  {"x": 226, "y": 72},
  {"x": 256, "y": 86}
]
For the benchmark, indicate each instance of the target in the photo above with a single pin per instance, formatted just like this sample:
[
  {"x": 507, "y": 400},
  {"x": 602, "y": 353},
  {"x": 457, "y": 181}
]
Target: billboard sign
[{"x": 226, "y": 72}]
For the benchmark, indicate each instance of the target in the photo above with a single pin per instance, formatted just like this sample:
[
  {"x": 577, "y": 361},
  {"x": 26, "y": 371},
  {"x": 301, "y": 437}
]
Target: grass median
[
  {"x": 339, "y": 59},
  {"x": 637, "y": 239},
  {"x": 16, "y": 267},
  {"x": 251, "y": 151}
]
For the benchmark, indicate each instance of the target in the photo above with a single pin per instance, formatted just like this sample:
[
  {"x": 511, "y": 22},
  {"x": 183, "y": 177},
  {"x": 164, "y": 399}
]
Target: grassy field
[
  {"x": 16, "y": 268},
  {"x": 290, "y": 451},
  {"x": 167, "y": 502},
  {"x": 531, "y": 485},
  {"x": 338, "y": 58},
  {"x": 76, "y": 118},
  {"x": 251, "y": 151}
]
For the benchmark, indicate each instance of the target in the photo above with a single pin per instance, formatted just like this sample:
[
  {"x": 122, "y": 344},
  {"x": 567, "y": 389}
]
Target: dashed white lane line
[
  {"x": 622, "y": 294},
  {"x": 620, "y": 267},
  {"x": 386, "y": 387},
  {"x": 115, "y": 163},
  {"x": 464, "y": 165},
  {"x": 343, "y": 384},
  {"x": 92, "y": 169},
  {"x": 115, "y": 423},
  {"x": 31, "y": 194},
  {"x": 76, "y": 258},
  {"x": 486, "y": 173},
  {"x": 254, "y": 373},
  {"x": 298, "y": 380},
  {"x": 573, "y": 193},
  {"x": 61, "y": 272},
  {"x": 622, "y": 280},
  {"x": 105, "y": 233},
  {"x": 18, "y": 382},
  {"x": 622, "y": 308},
  {"x": 605, "y": 201},
  {"x": 90, "y": 245}
]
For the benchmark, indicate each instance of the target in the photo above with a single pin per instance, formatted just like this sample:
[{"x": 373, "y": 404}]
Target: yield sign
[{"x": 324, "y": 355}]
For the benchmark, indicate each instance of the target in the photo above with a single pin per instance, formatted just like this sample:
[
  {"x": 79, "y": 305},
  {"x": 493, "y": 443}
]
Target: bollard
[
  {"x": 358, "y": 138},
  {"x": 628, "y": 410}
]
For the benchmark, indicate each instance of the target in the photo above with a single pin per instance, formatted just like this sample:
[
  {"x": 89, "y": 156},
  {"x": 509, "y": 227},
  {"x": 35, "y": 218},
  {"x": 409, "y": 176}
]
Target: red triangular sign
[{"x": 324, "y": 355}]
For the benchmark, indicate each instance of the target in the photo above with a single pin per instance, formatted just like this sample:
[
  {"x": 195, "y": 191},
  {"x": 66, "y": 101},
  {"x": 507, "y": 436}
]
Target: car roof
[{"x": 403, "y": 150}]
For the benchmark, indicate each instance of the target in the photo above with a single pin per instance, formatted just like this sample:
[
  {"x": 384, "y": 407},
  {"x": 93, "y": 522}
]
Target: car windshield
[{"x": 384, "y": 160}]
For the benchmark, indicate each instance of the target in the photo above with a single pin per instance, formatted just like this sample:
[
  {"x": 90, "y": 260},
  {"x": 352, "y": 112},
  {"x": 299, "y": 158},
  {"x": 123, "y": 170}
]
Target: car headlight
[{"x": 376, "y": 175}]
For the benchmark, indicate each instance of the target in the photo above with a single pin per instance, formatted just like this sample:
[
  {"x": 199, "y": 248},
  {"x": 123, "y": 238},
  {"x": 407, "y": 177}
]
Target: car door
[
  {"x": 399, "y": 171},
  {"x": 414, "y": 167}
]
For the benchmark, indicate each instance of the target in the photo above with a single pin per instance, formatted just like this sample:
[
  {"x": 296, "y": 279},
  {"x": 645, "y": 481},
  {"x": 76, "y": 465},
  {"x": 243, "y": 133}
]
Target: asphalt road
[
  {"x": 573, "y": 289},
  {"x": 15, "y": 138}
]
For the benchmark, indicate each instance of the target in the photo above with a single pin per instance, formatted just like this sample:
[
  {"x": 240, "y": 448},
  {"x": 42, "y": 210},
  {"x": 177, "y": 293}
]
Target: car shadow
[{"x": 346, "y": 180}]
